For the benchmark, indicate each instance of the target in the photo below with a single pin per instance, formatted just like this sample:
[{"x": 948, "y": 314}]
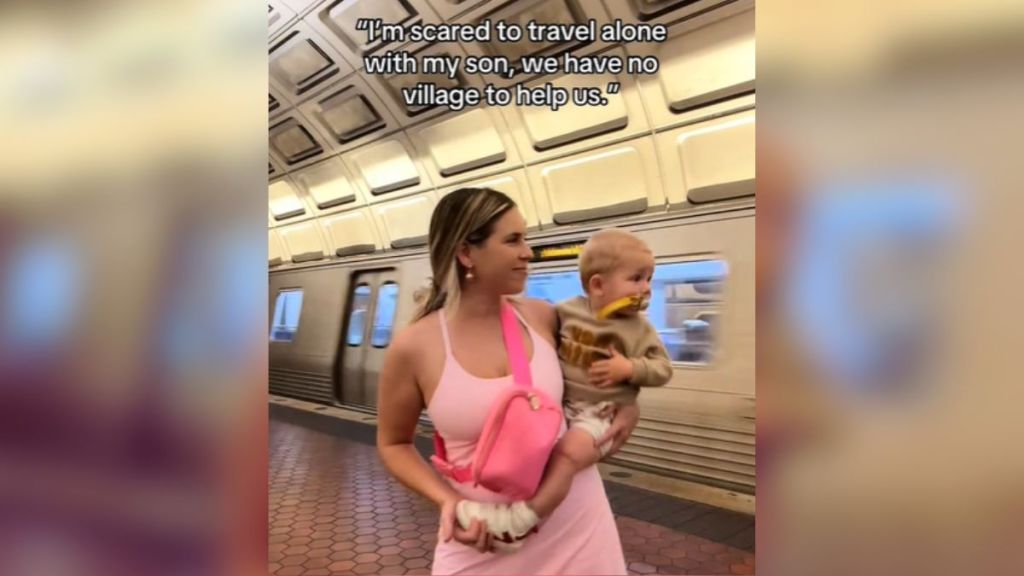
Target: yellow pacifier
[{"x": 638, "y": 302}]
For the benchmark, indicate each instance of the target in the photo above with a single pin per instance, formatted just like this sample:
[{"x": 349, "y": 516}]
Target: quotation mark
[
  {"x": 613, "y": 88},
  {"x": 372, "y": 27}
]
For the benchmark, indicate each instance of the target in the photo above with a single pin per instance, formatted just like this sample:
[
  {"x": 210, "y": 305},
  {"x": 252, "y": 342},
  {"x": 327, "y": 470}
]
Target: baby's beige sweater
[{"x": 584, "y": 339}]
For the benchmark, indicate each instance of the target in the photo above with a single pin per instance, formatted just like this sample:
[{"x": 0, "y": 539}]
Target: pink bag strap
[
  {"x": 514, "y": 346},
  {"x": 440, "y": 461},
  {"x": 520, "y": 374}
]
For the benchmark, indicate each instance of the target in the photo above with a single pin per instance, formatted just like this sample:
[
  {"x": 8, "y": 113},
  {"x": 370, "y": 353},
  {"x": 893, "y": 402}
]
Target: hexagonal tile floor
[{"x": 334, "y": 509}]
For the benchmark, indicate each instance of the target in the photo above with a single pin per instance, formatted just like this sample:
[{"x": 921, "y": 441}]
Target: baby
[{"x": 608, "y": 351}]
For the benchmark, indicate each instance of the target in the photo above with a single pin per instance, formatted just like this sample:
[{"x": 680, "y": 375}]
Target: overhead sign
[{"x": 566, "y": 251}]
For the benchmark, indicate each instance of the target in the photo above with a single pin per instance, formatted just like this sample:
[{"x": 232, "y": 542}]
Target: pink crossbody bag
[{"x": 519, "y": 435}]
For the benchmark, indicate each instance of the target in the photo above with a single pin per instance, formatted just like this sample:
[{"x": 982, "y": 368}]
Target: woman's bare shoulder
[
  {"x": 408, "y": 343},
  {"x": 540, "y": 312}
]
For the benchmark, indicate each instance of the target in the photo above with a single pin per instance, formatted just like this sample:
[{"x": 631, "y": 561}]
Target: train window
[
  {"x": 686, "y": 300},
  {"x": 287, "y": 310},
  {"x": 685, "y": 304},
  {"x": 554, "y": 286},
  {"x": 357, "y": 317},
  {"x": 384, "y": 317}
]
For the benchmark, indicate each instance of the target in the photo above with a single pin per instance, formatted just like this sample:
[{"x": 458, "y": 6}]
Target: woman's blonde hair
[{"x": 467, "y": 215}]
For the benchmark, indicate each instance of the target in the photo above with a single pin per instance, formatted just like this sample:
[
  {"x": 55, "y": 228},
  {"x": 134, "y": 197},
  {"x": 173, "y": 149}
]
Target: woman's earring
[{"x": 469, "y": 274}]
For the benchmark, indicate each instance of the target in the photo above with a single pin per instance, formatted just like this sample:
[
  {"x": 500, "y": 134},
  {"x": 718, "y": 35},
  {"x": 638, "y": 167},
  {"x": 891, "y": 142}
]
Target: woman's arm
[
  {"x": 399, "y": 403},
  {"x": 543, "y": 317}
]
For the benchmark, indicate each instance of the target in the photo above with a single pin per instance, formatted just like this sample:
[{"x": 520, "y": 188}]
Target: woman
[{"x": 452, "y": 361}]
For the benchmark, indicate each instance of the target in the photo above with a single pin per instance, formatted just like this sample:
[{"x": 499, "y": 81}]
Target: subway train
[{"x": 355, "y": 174}]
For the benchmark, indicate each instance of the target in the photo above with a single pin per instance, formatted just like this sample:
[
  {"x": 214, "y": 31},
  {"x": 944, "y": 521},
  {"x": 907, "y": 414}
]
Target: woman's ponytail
[{"x": 429, "y": 298}]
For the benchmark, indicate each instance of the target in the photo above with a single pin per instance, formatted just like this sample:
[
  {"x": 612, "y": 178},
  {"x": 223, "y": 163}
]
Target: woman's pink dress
[{"x": 580, "y": 537}]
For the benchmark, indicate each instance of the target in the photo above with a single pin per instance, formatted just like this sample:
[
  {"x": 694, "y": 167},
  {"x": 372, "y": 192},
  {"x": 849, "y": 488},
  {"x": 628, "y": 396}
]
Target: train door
[{"x": 370, "y": 317}]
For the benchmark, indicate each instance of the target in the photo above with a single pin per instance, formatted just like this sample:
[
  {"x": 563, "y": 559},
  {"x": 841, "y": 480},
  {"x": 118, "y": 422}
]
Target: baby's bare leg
[{"x": 574, "y": 452}]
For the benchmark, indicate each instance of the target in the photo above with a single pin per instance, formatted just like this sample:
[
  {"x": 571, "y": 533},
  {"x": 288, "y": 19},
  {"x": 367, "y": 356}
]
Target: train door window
[
  {"x": 287, "y": 310},
  {"x": 554, "y": 286},
  {"x": 686, "y": 300},
  {"x": 357, "y": 318},
  {"x": 384, "y": 316}
]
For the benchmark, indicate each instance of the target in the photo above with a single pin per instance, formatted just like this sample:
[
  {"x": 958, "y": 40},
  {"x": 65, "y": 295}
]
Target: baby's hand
[{"x": 609, "y": 372}]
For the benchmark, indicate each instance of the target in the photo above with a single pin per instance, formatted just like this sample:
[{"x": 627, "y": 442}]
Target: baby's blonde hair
[{"x": 604, "y": 252}]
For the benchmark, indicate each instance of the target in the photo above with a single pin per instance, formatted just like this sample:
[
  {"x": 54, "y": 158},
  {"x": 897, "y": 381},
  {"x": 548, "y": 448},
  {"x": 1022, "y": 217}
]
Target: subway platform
[{"x": 334, "y": 509}]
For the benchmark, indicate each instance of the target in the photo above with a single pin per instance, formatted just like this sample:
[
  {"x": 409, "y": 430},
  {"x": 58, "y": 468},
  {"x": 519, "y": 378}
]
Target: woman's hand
[
  {"x": 477, "y": 536},
  {"x": 626, "y": 419}
]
